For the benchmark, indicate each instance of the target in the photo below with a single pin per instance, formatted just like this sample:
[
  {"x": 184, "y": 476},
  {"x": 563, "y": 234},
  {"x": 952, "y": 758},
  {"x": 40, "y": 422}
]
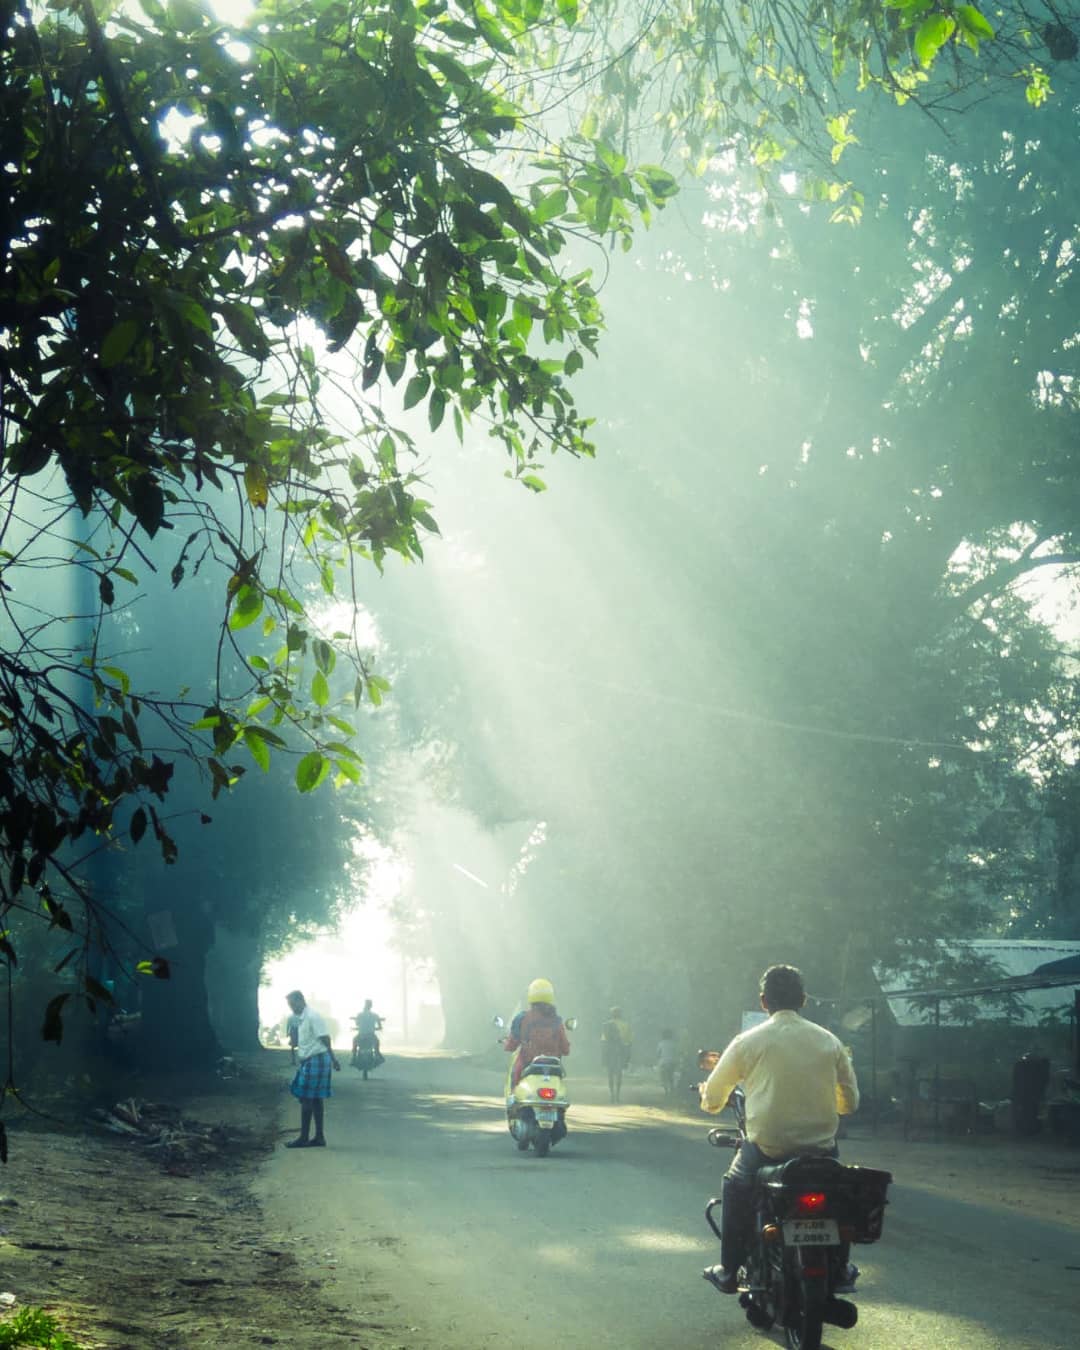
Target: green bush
[{"x": 32, "y": 1326}]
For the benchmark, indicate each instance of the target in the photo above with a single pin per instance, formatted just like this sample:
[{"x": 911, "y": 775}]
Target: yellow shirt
[
  {"x": 798, "y": 1080},
  {"x": 626, "y": 1036}
]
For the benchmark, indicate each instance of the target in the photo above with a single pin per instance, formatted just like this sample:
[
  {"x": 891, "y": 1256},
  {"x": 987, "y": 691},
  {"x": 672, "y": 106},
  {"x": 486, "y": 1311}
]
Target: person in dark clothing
[{"x": 616, "y": 1039}]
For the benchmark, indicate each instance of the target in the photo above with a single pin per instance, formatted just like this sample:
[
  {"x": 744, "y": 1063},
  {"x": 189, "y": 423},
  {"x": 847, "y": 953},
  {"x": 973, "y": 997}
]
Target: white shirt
[
  {"x": 310, "y": 1026},
  {"x": 797, "y": 1077}
]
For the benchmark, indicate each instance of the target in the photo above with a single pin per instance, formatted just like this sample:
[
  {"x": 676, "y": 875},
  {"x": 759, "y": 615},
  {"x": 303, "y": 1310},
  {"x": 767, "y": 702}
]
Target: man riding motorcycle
[
  {"x": 798, "y": 1079},
  {"x": 538, "y": 1030},
  {"x": 368, "y": 1024}
]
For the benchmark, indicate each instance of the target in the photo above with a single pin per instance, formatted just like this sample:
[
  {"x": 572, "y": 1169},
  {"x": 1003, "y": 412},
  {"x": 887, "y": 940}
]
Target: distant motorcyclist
[
  {"x": 798, "y": 1080},
  {"x": 538, "y": 1030},
  {"x": 368, "y": 1024}
]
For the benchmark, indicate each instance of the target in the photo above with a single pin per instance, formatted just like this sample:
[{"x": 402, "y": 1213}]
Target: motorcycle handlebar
[{"x": 724, "y": 1138}]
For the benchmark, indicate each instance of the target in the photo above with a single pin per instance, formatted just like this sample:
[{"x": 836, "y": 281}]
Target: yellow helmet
[{"x": 541, "y": 991}]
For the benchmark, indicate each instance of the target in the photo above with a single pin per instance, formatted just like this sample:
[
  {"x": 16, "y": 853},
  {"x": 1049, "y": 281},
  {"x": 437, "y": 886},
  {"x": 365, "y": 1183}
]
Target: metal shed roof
[{"x": 1022, "y": 964}]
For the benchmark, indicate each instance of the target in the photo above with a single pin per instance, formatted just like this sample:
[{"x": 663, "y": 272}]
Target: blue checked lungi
[{"x": 313, "y": 1077}]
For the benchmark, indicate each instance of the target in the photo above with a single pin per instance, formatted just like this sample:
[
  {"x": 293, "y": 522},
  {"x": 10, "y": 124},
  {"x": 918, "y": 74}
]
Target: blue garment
[{"x": 312, "y": 1080}]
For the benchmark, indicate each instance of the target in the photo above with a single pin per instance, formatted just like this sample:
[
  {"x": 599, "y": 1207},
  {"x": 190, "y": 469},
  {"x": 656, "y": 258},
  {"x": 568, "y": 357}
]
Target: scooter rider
[
  {"x": 538, "y": 1030},
  {"x": 798, "y": 1079}
]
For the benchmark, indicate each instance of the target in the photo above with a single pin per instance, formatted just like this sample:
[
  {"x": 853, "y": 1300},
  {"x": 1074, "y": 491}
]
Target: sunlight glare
[
  {"x": 236, "y": 12},
  {"x": 338, "y": 970}
]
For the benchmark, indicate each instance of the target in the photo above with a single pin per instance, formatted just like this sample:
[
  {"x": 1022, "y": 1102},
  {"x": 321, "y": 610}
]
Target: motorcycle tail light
[
  {"x": 547, "y": 1094},
  {"x": 812, "y": 1202}
]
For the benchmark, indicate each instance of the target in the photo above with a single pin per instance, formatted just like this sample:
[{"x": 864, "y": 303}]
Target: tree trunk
[
  {"x": 175, "y": 1030},
  {"x": 233, "y": 967}
]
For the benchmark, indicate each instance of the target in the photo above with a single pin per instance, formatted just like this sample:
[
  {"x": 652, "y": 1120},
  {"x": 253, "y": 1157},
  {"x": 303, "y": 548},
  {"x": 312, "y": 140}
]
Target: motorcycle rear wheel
[
  {"x": 542, "y": 1143},
  {"x": 803, "y": 1332}
]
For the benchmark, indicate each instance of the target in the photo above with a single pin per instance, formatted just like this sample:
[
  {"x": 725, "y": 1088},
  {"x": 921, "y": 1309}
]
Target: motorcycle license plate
[
  {"x": 811, "y": 1233},
  {"x": 547, "y": 1115}
]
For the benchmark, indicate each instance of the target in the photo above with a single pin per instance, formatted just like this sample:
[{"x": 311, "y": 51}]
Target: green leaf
[
  {"x": 259, "y": 750},
  {"x": 247, "y": 607},
  {"x": 243, "y": 324},
  {"x": 554, "y": 204},
  {"x": 147, "y": 502},
  {"x": 311, "y": 771},
  {"x": 347, "y": 770},
  {"x": 416, "y": 389},
  {"x": 382, "y": 232},
  {"x": 324, "y": 654},
  {"x": 974, "y": 22},
  {"x": 660, "y": 183},
  {"x": 194, "y": 313},
  {"x": 119, "y": 676},
  {"x": 320, "y": 689},
  {"x": 256, "y": 485},
  {"x": 118, "y": 342},
  {"x": 156, "y": 966},
  {"x": 932, "y": 35},
  {"x": 436, "y": 409}
]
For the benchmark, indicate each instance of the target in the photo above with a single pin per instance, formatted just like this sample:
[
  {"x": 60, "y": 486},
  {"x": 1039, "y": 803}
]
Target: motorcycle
[
  {"x": 537, "y": 1104},
  {"x": 807, "y": 1211},
  {"x": 366, "y": 1055}
]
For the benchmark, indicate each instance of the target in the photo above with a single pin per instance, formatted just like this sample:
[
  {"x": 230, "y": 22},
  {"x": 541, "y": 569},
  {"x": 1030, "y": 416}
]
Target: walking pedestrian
[{"x": 616, "y": 1039}]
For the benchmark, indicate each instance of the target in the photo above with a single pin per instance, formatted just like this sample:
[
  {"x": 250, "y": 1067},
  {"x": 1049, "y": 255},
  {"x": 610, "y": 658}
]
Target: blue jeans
[{"x": 737, "y": 1196}]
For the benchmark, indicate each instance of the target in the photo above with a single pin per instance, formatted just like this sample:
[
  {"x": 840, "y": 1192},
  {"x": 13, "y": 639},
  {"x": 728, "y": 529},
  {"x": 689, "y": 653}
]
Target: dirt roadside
[{"x": 130, "y": 1250}]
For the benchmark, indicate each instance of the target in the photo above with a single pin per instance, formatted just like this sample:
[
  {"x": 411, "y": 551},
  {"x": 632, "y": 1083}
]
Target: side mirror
[
  {"x": 570, "y": 1024},
  {"x": 707, "y": 1060},
  {"x": 498, "y": 1022}
]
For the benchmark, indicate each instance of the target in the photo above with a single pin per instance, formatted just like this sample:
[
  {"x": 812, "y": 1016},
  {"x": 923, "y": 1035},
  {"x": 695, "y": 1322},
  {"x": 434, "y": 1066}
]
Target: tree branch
[{"x": 1004, "y": 576}]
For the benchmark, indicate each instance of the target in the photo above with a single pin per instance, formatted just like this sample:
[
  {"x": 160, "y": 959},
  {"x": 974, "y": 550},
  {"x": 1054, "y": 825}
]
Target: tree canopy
[{"x": 254, "y": 270}]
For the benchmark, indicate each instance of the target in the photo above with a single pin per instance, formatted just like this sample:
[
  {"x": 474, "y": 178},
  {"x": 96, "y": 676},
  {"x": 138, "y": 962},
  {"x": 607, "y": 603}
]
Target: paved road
[{"x": 423, "y": 1200}]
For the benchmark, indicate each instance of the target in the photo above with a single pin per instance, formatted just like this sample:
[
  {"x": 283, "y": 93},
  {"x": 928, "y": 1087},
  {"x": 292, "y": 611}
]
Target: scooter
[
  {"x": 807, "y": 1210},
  {"x": 537, "y": 1104}
]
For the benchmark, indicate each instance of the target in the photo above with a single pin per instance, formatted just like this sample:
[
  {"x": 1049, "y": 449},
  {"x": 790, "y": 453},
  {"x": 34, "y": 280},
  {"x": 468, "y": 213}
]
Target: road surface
[{"x": 421, "y": 1200}]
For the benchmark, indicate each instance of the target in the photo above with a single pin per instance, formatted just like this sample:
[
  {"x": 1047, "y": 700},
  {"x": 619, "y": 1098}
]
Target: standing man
[
  {"x": 312, "y": 1081},
  {"x": 616, "y": 1039},
  {"x": 798, "y": 1081}
]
